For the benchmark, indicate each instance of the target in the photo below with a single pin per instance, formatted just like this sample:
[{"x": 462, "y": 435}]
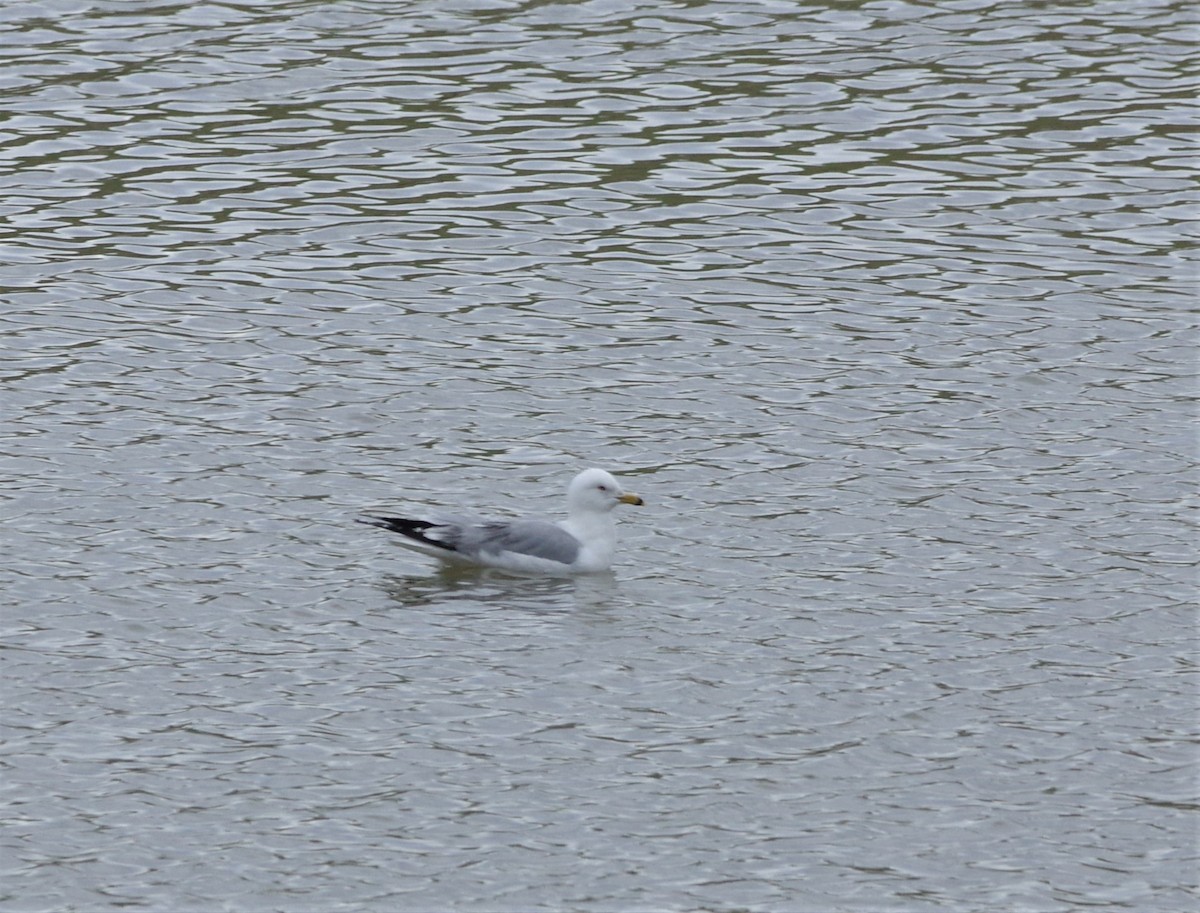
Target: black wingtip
[
  {"x": 413, "y": 529},
  {"x": 397, "y": 524}
]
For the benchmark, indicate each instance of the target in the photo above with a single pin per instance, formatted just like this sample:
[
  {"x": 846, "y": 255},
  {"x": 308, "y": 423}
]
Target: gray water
[{"x": 887, "y": 311}]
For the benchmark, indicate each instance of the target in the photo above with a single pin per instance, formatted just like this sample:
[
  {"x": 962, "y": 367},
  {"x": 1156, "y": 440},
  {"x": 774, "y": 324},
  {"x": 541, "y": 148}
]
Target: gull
[{"x": 581, "y": 544}]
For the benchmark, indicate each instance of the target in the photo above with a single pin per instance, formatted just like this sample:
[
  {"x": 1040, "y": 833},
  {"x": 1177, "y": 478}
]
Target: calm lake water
[{"x": 885, "y": 308}]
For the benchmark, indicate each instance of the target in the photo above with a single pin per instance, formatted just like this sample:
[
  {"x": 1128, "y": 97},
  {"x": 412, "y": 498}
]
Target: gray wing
[{"x": 537, "y": 538}]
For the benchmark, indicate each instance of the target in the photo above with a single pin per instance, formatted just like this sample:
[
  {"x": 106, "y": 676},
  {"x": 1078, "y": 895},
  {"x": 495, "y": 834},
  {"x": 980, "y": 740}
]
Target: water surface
[{"x": 887, "y": 311}]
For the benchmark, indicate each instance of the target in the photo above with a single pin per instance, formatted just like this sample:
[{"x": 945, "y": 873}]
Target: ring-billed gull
[{"x": 581, "y": 544}]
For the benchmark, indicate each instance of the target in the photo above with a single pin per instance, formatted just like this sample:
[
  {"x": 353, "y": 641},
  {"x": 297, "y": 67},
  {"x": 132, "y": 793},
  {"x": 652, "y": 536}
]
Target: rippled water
[{"x": 885, "y": 308}]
